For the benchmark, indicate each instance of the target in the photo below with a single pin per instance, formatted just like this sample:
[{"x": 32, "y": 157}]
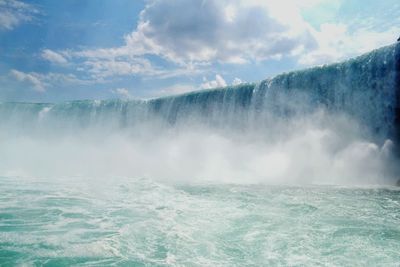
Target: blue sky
[{"x": 54, "y": 51}]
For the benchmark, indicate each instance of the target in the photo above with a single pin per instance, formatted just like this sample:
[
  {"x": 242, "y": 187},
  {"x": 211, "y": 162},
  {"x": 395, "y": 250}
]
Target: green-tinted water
[{"x": 137, "y": 222}]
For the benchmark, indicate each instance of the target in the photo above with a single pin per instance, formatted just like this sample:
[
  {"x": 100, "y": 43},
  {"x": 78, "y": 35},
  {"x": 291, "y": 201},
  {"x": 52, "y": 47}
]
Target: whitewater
[{"x": 296, "y": 170}]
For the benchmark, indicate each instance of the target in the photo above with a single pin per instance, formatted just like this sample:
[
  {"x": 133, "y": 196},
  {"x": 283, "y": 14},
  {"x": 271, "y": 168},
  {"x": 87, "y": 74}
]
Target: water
[
  {"x": 139, "y": 222},
  {"x": 298, "y": 170}
]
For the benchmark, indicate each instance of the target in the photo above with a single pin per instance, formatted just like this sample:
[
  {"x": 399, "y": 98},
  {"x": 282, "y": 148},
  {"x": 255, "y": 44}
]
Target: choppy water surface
[{"x": 138, "y": 222}]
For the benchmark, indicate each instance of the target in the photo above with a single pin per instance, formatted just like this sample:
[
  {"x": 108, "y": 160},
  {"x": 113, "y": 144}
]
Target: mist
[{"x": 319, "y": 147}]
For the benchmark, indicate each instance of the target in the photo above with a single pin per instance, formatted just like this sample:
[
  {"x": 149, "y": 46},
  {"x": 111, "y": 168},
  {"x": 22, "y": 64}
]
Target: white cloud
[
  {"x": 226, "y": 31},
  {"x": 218, "y": 82},
  {"x": 14, "y": 12},
  {"x": 40, "y": 82},
  {"x": 336, "y": 42},
  {"x": 53, "y": 57},
  {"x": 103, "y": 68},
  {"x": 237, "y": 81},
  {"x": 102, "y": 64},
  {"x": 122, "y": 92},
  {"x": 174, "y": 90},
  {"x": 31, "y": 78}
]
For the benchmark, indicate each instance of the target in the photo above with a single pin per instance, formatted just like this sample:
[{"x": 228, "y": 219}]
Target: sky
[{"x": 52, "y": 51}]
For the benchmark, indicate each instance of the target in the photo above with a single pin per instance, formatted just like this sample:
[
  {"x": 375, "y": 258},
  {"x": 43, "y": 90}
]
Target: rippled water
[{"x": 138, "y": 222}]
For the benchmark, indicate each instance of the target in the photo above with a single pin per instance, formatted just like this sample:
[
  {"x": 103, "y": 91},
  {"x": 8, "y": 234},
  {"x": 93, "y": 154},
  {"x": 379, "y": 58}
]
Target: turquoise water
[
  {"x": 82, "y": 221},
  {"x": 212, "y": 154}
]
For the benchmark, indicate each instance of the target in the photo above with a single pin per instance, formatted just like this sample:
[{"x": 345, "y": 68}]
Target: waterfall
[{"x": 365, "y": 88}]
